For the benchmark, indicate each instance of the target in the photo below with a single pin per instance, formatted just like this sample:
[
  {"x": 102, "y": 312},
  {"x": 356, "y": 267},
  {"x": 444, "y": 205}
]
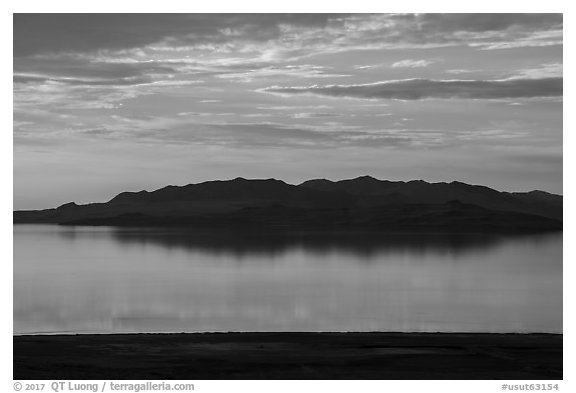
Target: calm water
[{"x": 87, "y": 279}]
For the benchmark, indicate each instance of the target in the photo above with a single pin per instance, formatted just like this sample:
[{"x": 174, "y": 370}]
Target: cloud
[
  {"x": 72, "y": 82},
  {"x": 412, "y": 63},
  {"x": 549, "y": 70},
  {"x": 207, "y": 114},
  {"x": 486, "y": 31},
  {"x": 61, "y": 33},
  {"x": 417, "y": 89},
  {"x": 312, "y": 115},
  {"x": 98, "y": 60},
  {"x": 40, "y": 92},
  {"x": 484, "y": 22},
  {"x": 462, "y": 71},
  {"x": 280, "y": 135},
  {"x": 185, "y": 130},
  {"x": 270, "y": 134},
  {"x": 275, "y": 35},
  {"x": 39, "y": 79},
  {"x": 80, "y": 67},
  {"x": 532, "y": 39},
  {"x": 364, "y": 67},
  {"x": 292, "y": 107},
  {"x": 298, "y": 71}
]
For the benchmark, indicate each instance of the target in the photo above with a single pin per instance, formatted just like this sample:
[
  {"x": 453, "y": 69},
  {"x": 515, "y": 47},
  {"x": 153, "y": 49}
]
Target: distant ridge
[
  {"x": 362, "y": 203},
  {"x": 420, "y": 191}
]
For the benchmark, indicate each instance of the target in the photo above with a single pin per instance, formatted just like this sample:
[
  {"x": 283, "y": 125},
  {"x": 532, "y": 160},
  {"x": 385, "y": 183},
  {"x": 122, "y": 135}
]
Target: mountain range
[{"x": 363, "y": 203}]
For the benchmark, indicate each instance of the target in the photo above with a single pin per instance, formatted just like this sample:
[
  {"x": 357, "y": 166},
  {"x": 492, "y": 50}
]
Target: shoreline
[
  {"x": 289, "y": 355},
  {"x": 240, "y": 332}
]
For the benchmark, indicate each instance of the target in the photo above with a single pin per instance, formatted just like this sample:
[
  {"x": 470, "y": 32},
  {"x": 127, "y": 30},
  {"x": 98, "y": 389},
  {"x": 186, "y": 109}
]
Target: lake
[{"x": 106, "y": 280}]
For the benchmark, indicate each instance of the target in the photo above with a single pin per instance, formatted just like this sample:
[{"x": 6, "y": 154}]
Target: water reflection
[
  {"x": 363, "y": 245},
  {"x": 99, "y": 279}
]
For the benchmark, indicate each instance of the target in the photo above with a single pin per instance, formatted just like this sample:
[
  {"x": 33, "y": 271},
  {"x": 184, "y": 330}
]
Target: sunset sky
[{"x": 105, "y": 103}]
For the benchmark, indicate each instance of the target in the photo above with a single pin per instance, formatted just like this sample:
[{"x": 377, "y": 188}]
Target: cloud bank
[
  {"x": 68, "y": 33},
  {"x": 412, "y": 63},
  {"x": 418, "y": 89}
]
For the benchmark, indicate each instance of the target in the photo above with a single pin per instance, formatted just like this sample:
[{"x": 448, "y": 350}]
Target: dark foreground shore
[{"x": 289, "y": 356}]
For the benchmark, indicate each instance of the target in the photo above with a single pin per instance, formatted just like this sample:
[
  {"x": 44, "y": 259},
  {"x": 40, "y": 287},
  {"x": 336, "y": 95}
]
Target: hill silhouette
[{"x": 363, "y": 203}]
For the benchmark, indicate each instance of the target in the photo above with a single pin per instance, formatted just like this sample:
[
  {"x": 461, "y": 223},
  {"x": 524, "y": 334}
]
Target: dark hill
[
  {"x": 239, "y": 189},
  {"x": 373, "y": 192},
  {"x": 364, "y": 203}
]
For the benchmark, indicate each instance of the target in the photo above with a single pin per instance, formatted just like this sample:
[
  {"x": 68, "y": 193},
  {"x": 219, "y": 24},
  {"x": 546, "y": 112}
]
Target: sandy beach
[{"x": 229, "y": 356}]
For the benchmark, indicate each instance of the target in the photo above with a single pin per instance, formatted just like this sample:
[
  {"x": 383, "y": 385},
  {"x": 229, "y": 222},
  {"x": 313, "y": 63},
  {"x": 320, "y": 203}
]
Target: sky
[{"x": 105, "y": 103}]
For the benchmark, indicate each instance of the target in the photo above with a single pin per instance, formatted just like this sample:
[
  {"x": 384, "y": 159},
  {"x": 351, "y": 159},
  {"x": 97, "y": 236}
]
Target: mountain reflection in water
[
  {"x": 246, "y": 244},
  {"x": 114, "y": 280}
]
